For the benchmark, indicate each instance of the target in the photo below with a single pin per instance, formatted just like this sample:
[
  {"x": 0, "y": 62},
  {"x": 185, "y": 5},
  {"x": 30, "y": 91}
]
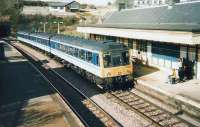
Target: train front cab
[{"x": 116, "y": 66}]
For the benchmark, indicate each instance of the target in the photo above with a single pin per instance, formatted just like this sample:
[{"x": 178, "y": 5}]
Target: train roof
[
  {"x": 88, "y": 44},
  {"x": 42, "y": 35},
  {"x": 79, "y": 42}
]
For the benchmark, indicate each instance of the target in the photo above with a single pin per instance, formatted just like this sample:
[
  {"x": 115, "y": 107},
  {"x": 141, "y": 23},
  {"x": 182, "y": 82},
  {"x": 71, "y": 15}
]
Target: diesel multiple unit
[{"x": 101, "y": 62}]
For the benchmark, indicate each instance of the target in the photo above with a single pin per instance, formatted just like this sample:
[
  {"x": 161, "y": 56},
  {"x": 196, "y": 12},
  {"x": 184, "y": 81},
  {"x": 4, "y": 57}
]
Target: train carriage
[{"x": 101, "y": 62}]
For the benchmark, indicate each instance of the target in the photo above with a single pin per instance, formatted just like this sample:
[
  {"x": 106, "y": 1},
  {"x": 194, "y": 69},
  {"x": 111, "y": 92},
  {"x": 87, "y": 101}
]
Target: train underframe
[{"x": 110, "y": 83}]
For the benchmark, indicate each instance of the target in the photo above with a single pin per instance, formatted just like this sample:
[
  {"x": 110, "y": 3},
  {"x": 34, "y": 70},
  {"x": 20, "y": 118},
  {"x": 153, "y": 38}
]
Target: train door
[{"x": 95, "y": 58}]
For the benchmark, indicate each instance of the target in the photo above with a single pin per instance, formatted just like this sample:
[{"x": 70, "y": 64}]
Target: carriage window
[
  {"x": 107, "y": 60},
  {"x": 82, "y": 54},
  {"x": 76, "y": 52},
  {"x": 89, "y": 56},
  {"x": 62, "y": 47},
  {"x": 66, "y": 49},
  {"x": 71, "y": 51}
]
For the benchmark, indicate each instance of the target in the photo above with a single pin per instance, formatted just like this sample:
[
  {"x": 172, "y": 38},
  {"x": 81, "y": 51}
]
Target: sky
[{"x": 96, "y": 2}]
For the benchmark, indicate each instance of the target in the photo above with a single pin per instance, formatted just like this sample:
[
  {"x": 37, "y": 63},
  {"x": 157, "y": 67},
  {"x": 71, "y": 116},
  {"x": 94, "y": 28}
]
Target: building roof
[
  {"x": 179, "y": 17},
  {"x": 57, "y": 4},
  {"x": 61, "y": 4}
]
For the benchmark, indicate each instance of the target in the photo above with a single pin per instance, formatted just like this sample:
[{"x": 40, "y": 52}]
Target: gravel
[{"x": 126, "y": 117}]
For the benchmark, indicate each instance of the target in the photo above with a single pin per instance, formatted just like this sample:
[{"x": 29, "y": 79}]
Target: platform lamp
[
  {"x": 44, "y": 25},
  {"x": 58, "y": 25}
]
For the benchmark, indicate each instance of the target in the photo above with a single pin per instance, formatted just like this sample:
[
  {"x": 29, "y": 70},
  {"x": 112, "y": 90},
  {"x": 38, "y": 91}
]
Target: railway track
[
  {"x": 152, "y": 113},
  {"x": 90, "y": 114},
  {"x": 156, "y": 116}
]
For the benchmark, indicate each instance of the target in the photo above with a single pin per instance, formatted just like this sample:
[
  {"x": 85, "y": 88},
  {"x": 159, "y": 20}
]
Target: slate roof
[
  {"x": 61, "y": 4},
  {"x": 57, "y": 4},
  {"x": 181, "y": 17}
]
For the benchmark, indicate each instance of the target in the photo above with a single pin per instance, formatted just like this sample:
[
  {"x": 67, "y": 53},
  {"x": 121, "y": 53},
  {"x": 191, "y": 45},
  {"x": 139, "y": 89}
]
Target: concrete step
[{"x": 183, "y": 107}]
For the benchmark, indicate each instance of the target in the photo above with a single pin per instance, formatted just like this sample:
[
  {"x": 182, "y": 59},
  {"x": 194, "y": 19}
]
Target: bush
[
  {"x": 32, "y": 23},
  {"x": 34, "y": 3}
]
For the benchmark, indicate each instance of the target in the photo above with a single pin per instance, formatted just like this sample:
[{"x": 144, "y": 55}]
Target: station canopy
[{"x": 180, "y": 22}]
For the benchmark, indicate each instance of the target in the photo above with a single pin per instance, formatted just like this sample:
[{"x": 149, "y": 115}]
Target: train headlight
[{"x": 128, "y": 71}]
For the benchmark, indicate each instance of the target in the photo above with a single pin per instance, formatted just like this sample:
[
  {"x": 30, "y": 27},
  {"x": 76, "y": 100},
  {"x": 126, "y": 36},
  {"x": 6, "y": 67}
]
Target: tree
[
  {"x": 128, "y": 3},
  {"x": 11, "y": 9},
  {"x": 109, "y": 3}
]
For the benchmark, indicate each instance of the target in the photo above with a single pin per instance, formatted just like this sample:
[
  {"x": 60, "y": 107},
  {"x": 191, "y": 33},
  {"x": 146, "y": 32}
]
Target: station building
[{"x": 158, "y": 36}]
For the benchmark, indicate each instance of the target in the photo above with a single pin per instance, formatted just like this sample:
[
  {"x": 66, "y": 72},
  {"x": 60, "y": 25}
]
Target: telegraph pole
[{"x": 44, "y": 25}]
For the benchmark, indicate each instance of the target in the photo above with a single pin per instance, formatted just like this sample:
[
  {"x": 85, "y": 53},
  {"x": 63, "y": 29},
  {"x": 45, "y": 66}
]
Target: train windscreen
[{"x": 114, "y": 59}]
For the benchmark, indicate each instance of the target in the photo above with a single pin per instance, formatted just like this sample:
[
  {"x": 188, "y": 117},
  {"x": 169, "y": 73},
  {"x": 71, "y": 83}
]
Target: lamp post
[
  {"x": 58, "y": 31},
  {"x": 44, "y": 25}
]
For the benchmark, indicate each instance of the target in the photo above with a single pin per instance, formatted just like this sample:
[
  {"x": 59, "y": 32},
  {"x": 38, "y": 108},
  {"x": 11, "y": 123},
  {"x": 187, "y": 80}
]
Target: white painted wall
[
  {"x": 183, "y": 51},
  {"x": 154, "y": 35},
  {"x": 58, "y": 9},
  {"x": 149, "y": 53}
]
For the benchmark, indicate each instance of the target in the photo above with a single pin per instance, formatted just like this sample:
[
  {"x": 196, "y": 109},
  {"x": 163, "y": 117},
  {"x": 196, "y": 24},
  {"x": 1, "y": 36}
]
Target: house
[
  {"x": 73, "y": 6},
  {"x": 158, "y": 36},
  {"x": 69, "y": 5},
  {"x": 57, "y": 6}
]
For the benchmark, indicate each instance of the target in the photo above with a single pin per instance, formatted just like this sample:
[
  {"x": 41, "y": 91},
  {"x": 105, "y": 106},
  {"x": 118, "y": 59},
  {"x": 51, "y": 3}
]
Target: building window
[
  {"x": 142, "y": 46},
  {"x": 111, "y": 38},
  {"x": 55, "y": 7},
  {"x": 130, "y": 43},
  {"x": 166, "y": 49},
  {"x": 61, "y": 8}
]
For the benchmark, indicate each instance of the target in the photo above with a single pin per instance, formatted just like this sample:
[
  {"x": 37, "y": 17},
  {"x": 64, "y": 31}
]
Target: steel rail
[
  {"x": 142, "y": 114},
  {"x": 52, "y": 86},
  {"x": 71, "y": 85},
  {"x": 136, "y": 111}
]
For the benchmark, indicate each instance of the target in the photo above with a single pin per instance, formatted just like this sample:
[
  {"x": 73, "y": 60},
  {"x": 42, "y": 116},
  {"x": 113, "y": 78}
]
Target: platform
[
  {"x": 26, "y": 99},
  {"x": 183, "y": 96}
]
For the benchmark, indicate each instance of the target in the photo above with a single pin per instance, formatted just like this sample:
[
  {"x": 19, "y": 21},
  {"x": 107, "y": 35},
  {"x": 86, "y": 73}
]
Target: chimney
[
  {"x": 171, "y": 3},
  {"x": 121, "y": 6}
]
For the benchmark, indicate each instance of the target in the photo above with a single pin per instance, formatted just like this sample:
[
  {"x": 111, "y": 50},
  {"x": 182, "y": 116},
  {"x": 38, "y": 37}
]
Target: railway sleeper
[
  {"x": 171, "y": 122},
  {"x": 149, "y": 110},
  {"x": 157, "y": 114}
]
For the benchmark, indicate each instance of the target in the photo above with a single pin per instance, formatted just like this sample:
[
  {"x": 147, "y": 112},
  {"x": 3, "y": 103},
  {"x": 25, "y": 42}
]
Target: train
[{"x": 104, "y": 63}]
